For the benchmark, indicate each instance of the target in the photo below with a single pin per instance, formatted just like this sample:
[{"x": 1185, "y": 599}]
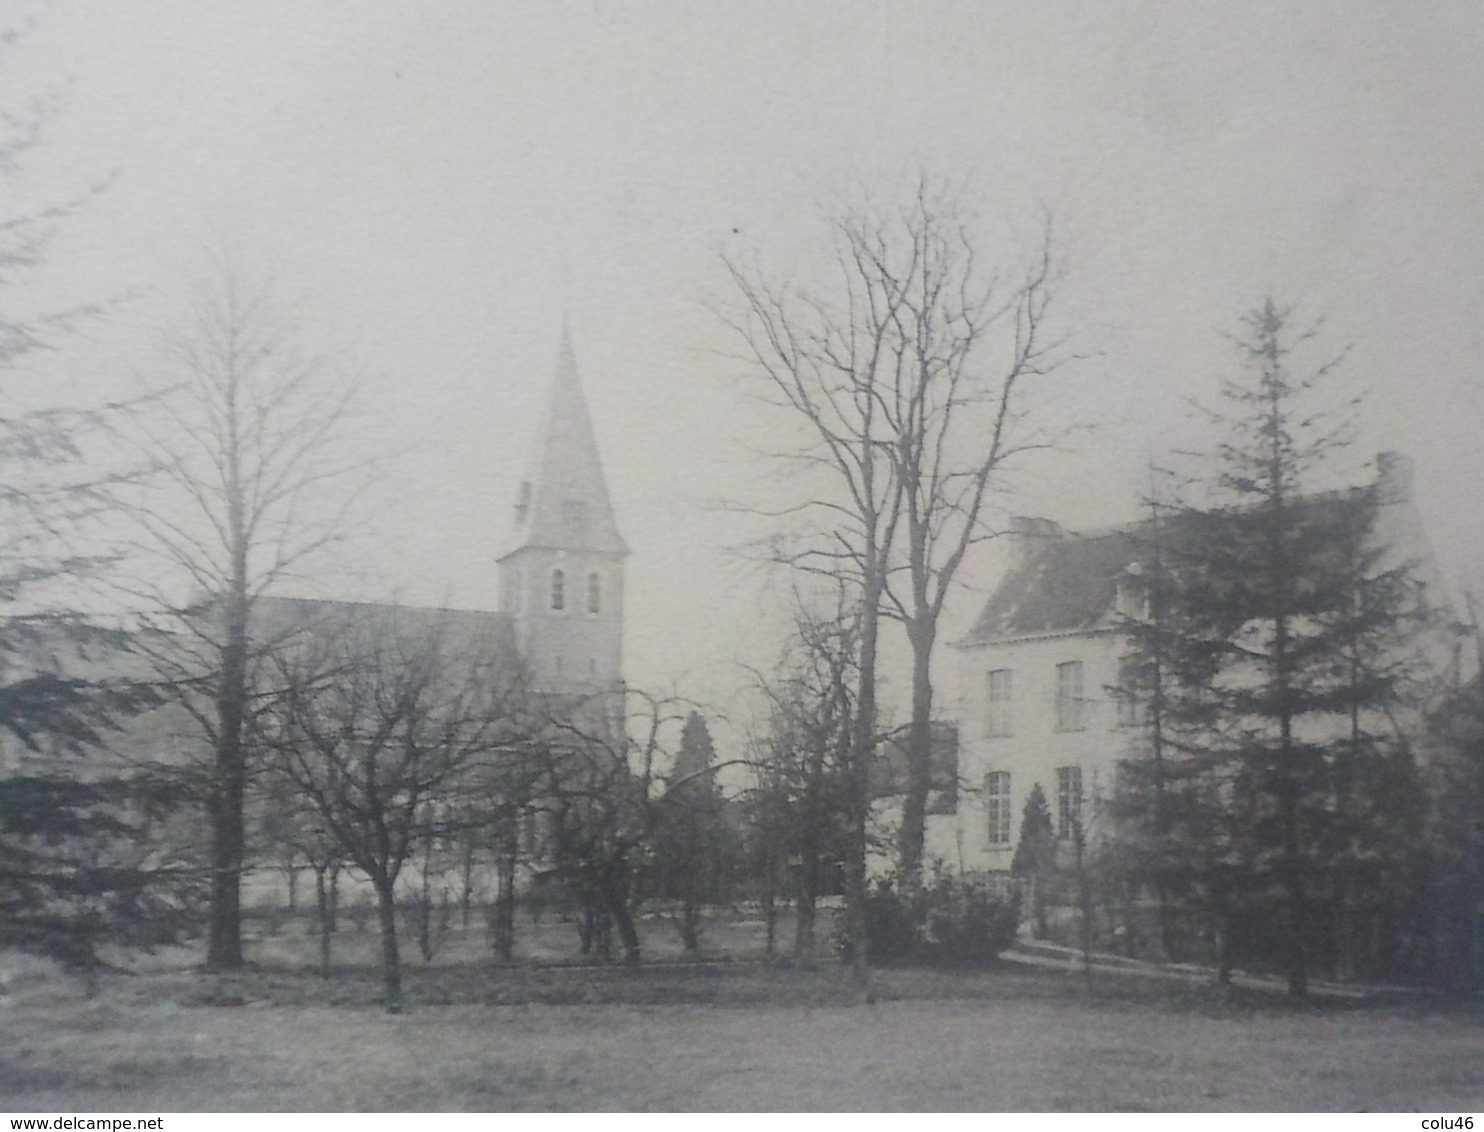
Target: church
[{"x": 561, "y": 581}]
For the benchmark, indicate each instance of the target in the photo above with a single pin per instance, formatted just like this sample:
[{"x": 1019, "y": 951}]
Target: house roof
[{"x": 1059, "y": 583}]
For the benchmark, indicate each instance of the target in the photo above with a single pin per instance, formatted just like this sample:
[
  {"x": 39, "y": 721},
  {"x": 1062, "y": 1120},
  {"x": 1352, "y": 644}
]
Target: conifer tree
[
  {"x": 73, "y": 860},
  {"x": 692, "y": 833},
  {"x": 1035, "y": 855},
  {"x": 1277, "y": 653}
]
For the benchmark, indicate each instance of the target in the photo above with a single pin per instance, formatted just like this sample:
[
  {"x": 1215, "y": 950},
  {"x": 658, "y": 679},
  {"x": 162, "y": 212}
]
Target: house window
[
  {"x": 1130, "y": 695},
  {"x": 1132, "y": 597},
  {"x": 998, "y": 720},
  {"x": 1068, "y": 800},
  {"x": 594, "y": 593},
  {"x": 997, "y": 801},
  {"x": 1069, "y": 696},
  {"x": 558, "y": 590}
]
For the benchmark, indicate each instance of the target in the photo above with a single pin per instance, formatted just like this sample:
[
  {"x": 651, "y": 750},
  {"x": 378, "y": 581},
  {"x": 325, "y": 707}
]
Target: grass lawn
[{"x": 724, "y": 1036}]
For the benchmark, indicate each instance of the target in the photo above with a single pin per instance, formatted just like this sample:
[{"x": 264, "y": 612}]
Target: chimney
[
  {"x": 1027, "y": 536},
  {"x": 1393, "y": 478}
]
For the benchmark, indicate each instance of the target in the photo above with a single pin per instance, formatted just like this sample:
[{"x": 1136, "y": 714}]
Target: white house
[{"x": 1037, "y": 668}]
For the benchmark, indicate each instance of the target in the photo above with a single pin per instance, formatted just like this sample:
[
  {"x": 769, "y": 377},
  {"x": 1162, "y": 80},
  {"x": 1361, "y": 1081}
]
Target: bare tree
[
  {"x": 253, "y": 484},
  {"x": 830, "y": 366},
  {"x": 600, "y": 796},
  {"x": 801, "y": 760},
  {"x": 909, "y": 376},
  {"x": 290, "y": 832},
  {"x": 384, "y": 720},
  {"x": 966, "y": 342}
]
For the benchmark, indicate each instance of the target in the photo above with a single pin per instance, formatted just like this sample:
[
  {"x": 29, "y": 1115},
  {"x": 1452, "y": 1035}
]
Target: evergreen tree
[
  {"x": 1034, "y": 862},
  {"x": 1275, "y": 653},
  {"x": 692, "y": 835},
  {"x": 1456, "y": 839},
  {"x": 74, "y": 865}
]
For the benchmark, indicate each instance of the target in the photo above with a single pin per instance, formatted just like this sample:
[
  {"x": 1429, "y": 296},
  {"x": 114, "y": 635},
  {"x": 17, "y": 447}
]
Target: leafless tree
[
  {"x": 909, "y": 376},
  {"x": 600, "y": 797},
  {"x": 288, "y": 830},
  {"x": 967, "y": 340},
  {"x": 829, "y": 366},
  {"x": 801, "y": 760},
  {"x": 383, "y": 722},
  {"x": 253, "y": 484}
]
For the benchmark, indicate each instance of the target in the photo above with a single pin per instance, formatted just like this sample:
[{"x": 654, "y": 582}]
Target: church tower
[{"x": 562, "y": 581}]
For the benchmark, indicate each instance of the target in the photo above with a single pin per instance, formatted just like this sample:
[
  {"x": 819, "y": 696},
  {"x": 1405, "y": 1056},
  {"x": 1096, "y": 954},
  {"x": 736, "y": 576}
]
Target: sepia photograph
[{"x": 788, "y": 556}]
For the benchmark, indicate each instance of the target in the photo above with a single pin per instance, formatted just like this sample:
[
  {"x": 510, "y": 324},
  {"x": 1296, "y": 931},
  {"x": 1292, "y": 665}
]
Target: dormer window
[
  {"x": 594, "y": 593},
  {"x": 1132, "y": 597},
  {"x": 558, "y": 590}
]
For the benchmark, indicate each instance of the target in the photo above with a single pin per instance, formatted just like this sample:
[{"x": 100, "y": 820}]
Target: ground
[{"x": 717, "y": 1036}]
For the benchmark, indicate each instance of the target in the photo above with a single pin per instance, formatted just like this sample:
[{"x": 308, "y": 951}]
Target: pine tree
[
  {"x": 1034, "y": 862},
  {"x": 1275, "y": 657},
  {"x": 73, "y": 862},
  {"x": 692, "y": 830}
]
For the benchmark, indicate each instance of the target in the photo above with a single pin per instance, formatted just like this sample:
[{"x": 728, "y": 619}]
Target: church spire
[{"x": 563, "y": 499}]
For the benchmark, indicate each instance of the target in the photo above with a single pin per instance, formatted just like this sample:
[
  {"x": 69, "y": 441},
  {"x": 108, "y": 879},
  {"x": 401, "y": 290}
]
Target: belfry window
[
  {"x": 594, "y": 593},
  {"x": 558, "y": 590}
]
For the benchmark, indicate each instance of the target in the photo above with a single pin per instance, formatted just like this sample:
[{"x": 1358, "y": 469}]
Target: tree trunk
[
  {"x": 422, "y": 908},
  {"x": 770, "y": 910},
  {"x": 224, "y": 912},
  {"x": 1224, "y": 948},
  {"x": 1084, "y": 900},
  {"x": 391, "y": 962},
  {"x": 862, "y": 748},
  {"x": 587, "y": 927},
  {"x": 504, "y": 911},
  {"x": 912, "y": 836},
  {"x": 466, "y": 882},
  {"x": 332, "y": 920},
  {"x": 628, "y": 935},
  {"x": 1345, "y": 958},
  {"x": 1293, "y": 877},
  {"x": 1039, "y": 927},
  {"x": 322, "y": 920},
  {"x": 690, "y": 920},
  {"x": 804, "y": 907}
]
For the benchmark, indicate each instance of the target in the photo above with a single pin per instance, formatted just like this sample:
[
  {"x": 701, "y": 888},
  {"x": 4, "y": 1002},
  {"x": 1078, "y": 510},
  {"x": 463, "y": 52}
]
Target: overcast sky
[{"x": 441, "y": 184}]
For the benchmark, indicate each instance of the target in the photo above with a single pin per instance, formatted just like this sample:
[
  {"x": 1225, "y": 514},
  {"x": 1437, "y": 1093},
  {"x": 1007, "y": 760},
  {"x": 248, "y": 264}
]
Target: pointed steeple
[{"x": 563, "y": 499}]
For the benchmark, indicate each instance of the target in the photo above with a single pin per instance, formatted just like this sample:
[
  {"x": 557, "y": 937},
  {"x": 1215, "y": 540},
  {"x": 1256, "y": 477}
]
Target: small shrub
[
  {"x": 893, "y": 928},
  {"x": 969, "y": 925},
  {"x": 948, "y": 922}
]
